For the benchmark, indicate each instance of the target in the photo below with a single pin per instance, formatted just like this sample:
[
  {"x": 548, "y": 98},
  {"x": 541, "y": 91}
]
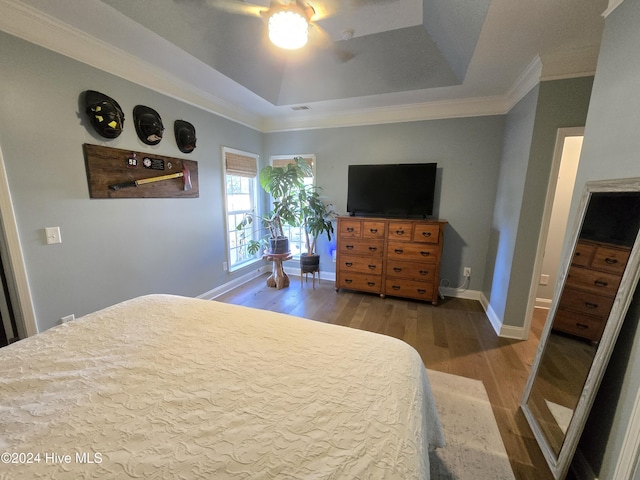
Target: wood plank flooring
[{"x": 454, "y": 337}]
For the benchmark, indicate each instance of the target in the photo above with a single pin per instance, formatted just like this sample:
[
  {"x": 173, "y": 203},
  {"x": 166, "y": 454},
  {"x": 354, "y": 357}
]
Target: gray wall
[
  {"x": 467, "y": 151},
  {"x": 611, "y": 150},
  {"x": 530, "y": 138},
  {"x": 111, "y": 249}
]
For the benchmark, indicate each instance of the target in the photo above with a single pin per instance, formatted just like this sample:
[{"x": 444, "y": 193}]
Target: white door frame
[
  {"x": 546, "y": 219},
  {"x": 24, "y": 311}
]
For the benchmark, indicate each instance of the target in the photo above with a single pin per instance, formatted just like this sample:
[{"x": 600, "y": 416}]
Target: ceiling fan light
[{"x": 288, "y": 29}]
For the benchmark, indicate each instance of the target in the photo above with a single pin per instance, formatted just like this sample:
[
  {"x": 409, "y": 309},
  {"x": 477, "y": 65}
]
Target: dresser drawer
[
  {"x": 350, "y": 228},
  {"x": 426, "y": 233},
  {"x": 416, "y": 271},
  {"x": 419, "y": 252},
  {"x": 364, "y": 264},
  {"x": 583, "y": 326},
  {"x": 593, "y": 281},
  {"x": 586, "y": 302},
  {"x": 409, "y": 288},
  {"x": 362, "y": 247},
  {"x": 612, "y": 260},
  {"x": 400, "y": 231},
  {"x": 373, "y": 229},
  {"x": 583, "y": 254},
  {"x": 361, "y": 281}
]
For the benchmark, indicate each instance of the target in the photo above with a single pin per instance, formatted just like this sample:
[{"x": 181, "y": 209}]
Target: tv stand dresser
[{"x": 395, "y": 257}]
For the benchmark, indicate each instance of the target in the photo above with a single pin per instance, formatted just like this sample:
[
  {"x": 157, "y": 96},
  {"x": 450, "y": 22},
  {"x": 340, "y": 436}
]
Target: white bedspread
[{"x": 169, "y": 387}]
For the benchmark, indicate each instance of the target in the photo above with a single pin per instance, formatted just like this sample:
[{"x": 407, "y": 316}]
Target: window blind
[{"x": 240, "y": 165}]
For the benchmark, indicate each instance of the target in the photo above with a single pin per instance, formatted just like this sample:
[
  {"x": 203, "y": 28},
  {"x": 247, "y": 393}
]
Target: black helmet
[
  {"x": 185, "y": 136},
  {"x": 105, "y": 114},
  {"x": 148, "y": 124}
]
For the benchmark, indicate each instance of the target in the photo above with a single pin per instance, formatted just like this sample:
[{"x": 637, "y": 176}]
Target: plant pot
[
  {"x": 278, "y": 245},
  {"x": 309, "y": 262}
]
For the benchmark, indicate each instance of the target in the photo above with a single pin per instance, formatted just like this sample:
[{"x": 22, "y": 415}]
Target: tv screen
[{"x": 393, "y": 190}]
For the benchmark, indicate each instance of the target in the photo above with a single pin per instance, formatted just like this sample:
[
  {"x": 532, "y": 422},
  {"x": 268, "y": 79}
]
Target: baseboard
[
  {"x": 236, "y": 282},
  {"x": 543, "y": 303},
  {"x": 506, "y": 331}
]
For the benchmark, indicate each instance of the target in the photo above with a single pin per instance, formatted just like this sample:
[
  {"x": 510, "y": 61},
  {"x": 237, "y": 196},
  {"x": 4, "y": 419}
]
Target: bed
[{"x": 163, "y": 386}]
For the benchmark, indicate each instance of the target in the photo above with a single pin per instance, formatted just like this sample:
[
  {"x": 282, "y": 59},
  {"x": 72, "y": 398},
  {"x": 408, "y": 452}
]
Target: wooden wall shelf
[{"x": 109, "y": 166}]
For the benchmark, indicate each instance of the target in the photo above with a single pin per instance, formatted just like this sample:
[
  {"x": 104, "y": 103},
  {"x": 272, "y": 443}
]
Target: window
[
  {"x": 295, "y": 234},
  {"x": 241, "y": 180}
]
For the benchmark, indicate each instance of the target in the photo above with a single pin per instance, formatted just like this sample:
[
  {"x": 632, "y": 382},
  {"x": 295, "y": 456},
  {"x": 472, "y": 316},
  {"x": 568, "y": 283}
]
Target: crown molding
[
  {"x": 613, "y": 4},
  {"x": 34, "y": 26},
  {"x": 49, "y": 32}
]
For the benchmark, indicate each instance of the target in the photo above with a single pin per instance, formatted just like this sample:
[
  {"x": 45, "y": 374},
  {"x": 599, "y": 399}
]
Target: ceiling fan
[{"x": 290, "y": 23}]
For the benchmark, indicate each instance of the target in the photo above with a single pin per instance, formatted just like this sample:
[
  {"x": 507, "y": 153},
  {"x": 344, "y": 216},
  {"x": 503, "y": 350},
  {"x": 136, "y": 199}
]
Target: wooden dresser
[
  {"x": 590, "y": 289},
  {"x": 390, "y": 256}
]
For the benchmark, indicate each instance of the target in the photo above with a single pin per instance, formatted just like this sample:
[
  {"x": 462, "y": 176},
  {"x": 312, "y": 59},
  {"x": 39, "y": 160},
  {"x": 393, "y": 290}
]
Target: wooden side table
[{"x": 278, "y": 278}]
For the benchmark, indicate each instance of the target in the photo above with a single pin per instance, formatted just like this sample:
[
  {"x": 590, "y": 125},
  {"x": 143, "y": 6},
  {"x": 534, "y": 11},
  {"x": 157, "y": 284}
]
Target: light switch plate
[{"x": 52, "y": 235}]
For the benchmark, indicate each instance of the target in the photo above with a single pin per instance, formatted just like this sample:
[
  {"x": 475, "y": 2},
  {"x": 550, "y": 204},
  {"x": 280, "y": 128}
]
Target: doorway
[{"x": 555, "y": 218}]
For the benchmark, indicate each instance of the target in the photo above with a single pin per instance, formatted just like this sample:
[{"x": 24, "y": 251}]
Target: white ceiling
[{"x": 412, "y": 59}]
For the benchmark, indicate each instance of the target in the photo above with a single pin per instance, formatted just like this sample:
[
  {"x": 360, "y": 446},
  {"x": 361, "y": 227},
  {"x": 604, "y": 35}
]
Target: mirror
[{"x": 598, "y": 279}]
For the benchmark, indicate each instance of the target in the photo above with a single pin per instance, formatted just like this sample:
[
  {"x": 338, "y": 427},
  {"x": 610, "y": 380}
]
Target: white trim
[
  {"x": 630, "y": 450},
  {"x": 35, "y": 26},
  {"x": 613, "y": 4},
  {"x": 235, "y": 283},
  {"x": 561, "y": 135},
  {"x": 25, "y": 309}
]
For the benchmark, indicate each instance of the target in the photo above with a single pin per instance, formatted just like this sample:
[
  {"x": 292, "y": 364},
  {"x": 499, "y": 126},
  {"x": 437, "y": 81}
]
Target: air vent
[{"x": 301, "y": 107}]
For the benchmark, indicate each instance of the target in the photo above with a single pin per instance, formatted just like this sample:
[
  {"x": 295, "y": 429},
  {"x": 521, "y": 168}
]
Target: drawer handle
[
  {"x": 373, "y": 230},
  {"x": 371, "y": 284},
  {"x": 590, "y": 305},
  {"x": 426, "y": 234},
  {"x": 397, "y": 269},
  {"x": 373, "y": 249},
  {"x": 350, "y": 229},
  {"x": 600, "y": 283},
  {"x": 425, "y": 254},
  {"x": 610, "y": 261},
  {"x": 422, "y": 291},
  {"x": 582, "y": 326},
  {"x": 399, "y": 232},
  {"x": 349, "y": 247},
  {"x": 348, "y": 280},
  {"x": 424, "y": 272},
  {"x": 349, "y": 264},
  {"x": 577, "y": 254},
  {"x": 372, "y": 267},
  {"x": 398, "y": 251},
  {"x": 395, "y": 287}
]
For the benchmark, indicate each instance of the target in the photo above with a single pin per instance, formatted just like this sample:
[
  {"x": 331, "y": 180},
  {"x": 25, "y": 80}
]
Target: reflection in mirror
[{"x": 587, "y": 310}]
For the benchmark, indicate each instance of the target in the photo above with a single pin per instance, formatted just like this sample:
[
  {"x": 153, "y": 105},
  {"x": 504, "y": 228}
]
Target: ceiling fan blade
[
  {"x": 320, "y": 38},
  {"x": 238, "y": 7}
]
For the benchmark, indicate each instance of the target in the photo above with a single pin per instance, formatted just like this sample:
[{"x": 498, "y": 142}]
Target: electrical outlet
[
  {"x": 68, "y": 318},
  {"x": 225, "y": 266},
  {"x": 467, "y": 272},
  {"x": 544, "y": 279}
]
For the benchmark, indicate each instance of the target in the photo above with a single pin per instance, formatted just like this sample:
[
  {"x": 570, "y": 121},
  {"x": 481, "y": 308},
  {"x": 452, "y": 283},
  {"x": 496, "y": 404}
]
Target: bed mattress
[{"x": 163, "y": 386}]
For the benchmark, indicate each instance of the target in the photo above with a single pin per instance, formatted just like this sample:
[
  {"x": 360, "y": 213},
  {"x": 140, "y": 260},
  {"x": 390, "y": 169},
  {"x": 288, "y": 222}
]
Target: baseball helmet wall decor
[
  {"x": 148, "y": 124},
  {"x": 105, "y": 114},
  {"x": 185, "y": 136}
]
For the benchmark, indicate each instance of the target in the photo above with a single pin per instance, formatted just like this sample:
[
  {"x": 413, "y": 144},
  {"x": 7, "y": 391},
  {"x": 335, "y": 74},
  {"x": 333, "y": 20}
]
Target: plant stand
[
  {"x": 306, "y": 272},
  {"x": 278, "y": 278}
]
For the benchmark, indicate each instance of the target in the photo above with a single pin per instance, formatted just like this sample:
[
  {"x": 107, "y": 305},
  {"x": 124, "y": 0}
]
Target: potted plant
[
  {"x": 284, "y": 184},
  {"x": 317, "y": 218}
]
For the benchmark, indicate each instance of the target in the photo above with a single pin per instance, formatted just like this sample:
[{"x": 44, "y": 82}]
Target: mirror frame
[{"x": 559, "y": 464}]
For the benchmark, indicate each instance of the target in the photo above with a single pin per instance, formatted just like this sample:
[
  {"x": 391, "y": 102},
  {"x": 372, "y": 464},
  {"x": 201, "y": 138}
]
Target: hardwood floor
[{"x": 454, "y": 337}]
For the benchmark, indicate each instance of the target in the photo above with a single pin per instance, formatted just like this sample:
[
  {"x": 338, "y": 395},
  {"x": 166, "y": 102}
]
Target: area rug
[
  {"x": 474, "y": 449},
  {"x": 561, "y": 414}
]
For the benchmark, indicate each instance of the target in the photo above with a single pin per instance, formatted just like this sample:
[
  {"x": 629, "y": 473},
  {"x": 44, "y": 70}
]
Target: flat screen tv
[{"x": 392, "y": 190}]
